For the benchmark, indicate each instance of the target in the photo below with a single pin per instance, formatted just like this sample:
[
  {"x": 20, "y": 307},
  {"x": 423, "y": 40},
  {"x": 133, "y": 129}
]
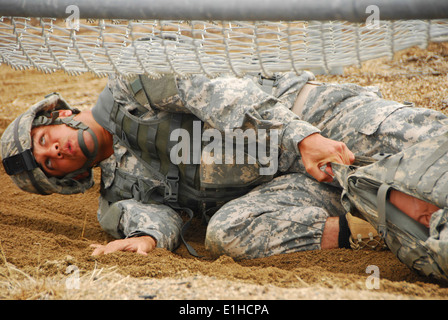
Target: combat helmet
[{"x": 18, "y": 159}]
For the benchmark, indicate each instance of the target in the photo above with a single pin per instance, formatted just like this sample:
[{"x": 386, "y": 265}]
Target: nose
[{"x": 54, "y": 151}]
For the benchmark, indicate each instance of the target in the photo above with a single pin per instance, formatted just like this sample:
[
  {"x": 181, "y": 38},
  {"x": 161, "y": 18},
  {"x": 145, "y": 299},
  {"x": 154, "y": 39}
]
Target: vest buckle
[{"x": 171, "y": 188}]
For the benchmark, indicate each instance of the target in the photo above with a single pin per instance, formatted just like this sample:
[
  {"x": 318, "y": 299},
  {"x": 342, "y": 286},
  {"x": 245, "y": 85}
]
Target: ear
[{"x": 65, "y": 113}]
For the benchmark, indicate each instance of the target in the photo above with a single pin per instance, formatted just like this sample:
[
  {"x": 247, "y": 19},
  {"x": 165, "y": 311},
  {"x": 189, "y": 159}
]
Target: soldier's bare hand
[
  {"x": 318, "y": 152},
  {"x": 141, "y": 245}
]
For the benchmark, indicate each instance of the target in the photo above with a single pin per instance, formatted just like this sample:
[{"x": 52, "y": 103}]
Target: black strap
[
  {"x": 172, "y": 177},
  {"x": 20, "y": 162},
  {"x": 185, "y": 227},
  {"x": 344, "y": 233}
]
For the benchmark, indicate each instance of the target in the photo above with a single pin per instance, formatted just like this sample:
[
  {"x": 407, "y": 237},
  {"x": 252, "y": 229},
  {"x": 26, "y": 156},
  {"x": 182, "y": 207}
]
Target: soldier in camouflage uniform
[{"x": 290, "y": 212}]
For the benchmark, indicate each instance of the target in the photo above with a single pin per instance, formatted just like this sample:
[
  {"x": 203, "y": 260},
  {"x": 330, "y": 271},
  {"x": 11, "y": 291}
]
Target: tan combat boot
[{"x": 363, "y": 234}]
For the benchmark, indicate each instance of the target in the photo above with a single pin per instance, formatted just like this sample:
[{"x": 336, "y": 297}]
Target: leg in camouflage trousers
[{"x": 287, "y": 214}]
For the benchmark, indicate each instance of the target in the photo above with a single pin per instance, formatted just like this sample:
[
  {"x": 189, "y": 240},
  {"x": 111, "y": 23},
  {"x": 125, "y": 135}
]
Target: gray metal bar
[{"x": 248, "y": 10}]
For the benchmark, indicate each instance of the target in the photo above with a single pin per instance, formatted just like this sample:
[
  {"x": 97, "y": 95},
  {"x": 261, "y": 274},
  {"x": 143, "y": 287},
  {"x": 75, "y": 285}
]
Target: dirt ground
[{"x": 41, "y": 236}]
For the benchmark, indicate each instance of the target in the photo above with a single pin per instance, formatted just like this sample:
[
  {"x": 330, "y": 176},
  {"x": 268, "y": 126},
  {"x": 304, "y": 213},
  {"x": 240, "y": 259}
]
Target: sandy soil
[{"x": 41, "y": 236}]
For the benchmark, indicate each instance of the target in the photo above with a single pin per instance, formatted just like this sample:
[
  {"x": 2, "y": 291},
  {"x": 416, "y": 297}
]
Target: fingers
[
  {"x": 318, "y": 162},
  {"x": 141, "y": 251},
  {"x": 345, "y": 156},
  {"x": 106, "y": 249},
  {"x": 329, "y": 170},
  {"x": 319, "y": 174},
  {"x": 99, "y": 249},
  {"x": 140, "y": 245},
  {"x": 349, "y": 157},
  {"x": 342, "y": 154}
]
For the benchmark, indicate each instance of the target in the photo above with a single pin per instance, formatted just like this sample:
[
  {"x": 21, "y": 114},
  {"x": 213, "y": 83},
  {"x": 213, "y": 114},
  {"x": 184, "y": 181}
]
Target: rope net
[{"x": 159, "y": 47}]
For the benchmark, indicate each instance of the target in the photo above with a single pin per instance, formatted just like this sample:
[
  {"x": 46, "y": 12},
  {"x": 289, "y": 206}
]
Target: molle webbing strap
[
  {"x": 436, "y": 155},
  {"x": 185, "y": 227},
  {"x": 139, "y": 137},
  {"x": 394, "y": 215},
  {"x": 151, "y": 134},
  {"x": 149, "y": 141},
  {"x": 381, "y": 208},
  {"x": 153, "y": 91},
  {"x": 126, "y": 186},
  {"x": 118, "y": 120},
  {"x": 391, "y": 164},
  {"x": 133, "y": 134},
  {"x": 140, "y": 95},
  {"x": 154, "y": 148},
  {"x": 172, "y": 177}
]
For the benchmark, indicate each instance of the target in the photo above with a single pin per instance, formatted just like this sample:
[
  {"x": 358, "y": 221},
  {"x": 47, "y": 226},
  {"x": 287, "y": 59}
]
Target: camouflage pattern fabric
[
  {"x": 222, "y": 103},
  {"x": 355, "y": 115},
  {"x": 368, "y": 124},
  {"x": 420, "y": 171},
  {"x": 287, "y": 214}
]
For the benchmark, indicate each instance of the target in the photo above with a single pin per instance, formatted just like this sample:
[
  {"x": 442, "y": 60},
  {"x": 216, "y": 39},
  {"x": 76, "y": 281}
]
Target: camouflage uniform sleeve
[
  {"x": 130, "y": 218},
  {"x": 228, "y": 102}
]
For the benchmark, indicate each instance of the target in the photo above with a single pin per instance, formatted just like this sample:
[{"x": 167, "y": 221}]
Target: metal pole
[{"x": 248, "y": 10}]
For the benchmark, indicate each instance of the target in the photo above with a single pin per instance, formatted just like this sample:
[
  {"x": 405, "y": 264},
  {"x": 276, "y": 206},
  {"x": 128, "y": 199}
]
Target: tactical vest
[
  {"x": 420, "y": 171},
  {"x": 198, "y": 186}
]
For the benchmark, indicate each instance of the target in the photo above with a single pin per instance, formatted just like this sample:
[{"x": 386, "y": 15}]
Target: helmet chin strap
[
  {"x": 89, "y": 155},
  {"x": 77, "y": 125}
]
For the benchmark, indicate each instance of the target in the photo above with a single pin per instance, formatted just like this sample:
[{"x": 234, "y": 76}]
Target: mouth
[{"x": 69, "y": 149}]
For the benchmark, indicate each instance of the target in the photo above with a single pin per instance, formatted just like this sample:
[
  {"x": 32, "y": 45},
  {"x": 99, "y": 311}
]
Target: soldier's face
[{"x": 56, "y": 149}]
